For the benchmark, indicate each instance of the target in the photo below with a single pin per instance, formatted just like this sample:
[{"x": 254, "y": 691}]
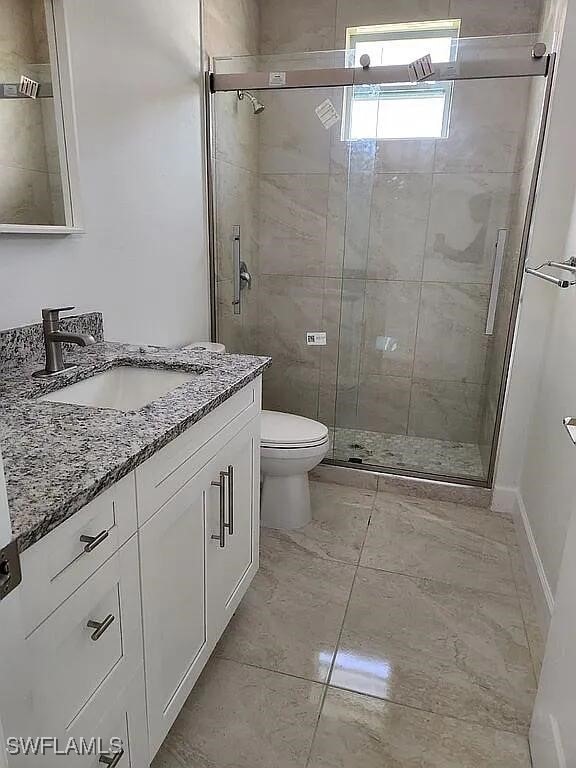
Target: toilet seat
[{"x": 285, "y": 431}]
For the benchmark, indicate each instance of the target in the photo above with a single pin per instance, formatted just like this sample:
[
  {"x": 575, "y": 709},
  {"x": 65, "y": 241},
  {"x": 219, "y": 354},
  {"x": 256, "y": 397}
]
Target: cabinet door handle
[
  {"x": 100, "y": 626},
  {"x": 221, "y": 535},
  {"x": 111, "y": 760},
  {"x": 230, "y": 523},
  {"x": 92, "y": 542}
]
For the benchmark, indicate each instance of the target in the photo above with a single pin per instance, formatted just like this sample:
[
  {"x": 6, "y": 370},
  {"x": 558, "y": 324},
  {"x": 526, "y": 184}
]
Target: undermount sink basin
[{"x": 124, "y": 388}]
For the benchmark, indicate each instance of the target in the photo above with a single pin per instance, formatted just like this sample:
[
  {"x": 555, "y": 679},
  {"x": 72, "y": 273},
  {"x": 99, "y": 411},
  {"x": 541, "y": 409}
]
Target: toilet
[{"x": 291, "y": 446}]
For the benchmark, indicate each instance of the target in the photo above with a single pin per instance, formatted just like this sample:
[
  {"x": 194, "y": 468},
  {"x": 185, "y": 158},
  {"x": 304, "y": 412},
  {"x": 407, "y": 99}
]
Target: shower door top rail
[{"x": 470, "y": 64}]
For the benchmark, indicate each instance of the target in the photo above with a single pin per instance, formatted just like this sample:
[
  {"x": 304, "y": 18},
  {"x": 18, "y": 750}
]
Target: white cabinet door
[
  {"x": 233, "y": 525},
  {"x": 174, "y": 603}
]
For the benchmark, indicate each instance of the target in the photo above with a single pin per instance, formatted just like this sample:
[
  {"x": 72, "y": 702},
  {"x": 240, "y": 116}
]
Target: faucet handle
[{"x": 52, "y": 313}]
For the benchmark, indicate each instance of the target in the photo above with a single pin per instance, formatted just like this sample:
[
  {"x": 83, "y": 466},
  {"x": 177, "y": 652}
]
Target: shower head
[{"x": 257, "y": 106}]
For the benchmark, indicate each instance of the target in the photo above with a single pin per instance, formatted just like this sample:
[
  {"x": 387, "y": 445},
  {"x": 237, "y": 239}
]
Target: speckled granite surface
[
  {"x": 58, "y": 457},
  {"x": 20, "y": 345}
]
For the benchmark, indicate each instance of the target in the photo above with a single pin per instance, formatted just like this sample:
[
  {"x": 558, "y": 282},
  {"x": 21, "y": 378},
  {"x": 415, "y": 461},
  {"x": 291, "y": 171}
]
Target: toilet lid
[{"x": 289, "y": 431}]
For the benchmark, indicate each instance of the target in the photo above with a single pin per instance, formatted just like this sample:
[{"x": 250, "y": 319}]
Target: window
[{"x": 400, "y": 110}]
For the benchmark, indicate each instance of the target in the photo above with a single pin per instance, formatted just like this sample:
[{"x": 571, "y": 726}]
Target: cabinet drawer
[
  {"x": 60, "y": 562},
  {"x": 109, "y": 726},
  {"x": 159, "y": 478},
  {"x": 91, "y": 640}
]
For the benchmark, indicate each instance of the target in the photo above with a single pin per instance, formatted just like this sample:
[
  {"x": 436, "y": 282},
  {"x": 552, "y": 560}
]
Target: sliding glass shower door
[{"x": 372, "y": 236}]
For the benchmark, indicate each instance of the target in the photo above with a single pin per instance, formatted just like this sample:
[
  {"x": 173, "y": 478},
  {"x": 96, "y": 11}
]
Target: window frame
[{"x": 449, "y": 28}]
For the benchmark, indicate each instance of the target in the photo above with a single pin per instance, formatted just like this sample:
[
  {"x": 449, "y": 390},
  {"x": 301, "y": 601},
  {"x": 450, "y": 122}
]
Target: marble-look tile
[
  {"x": 348, "y": 228},
  {"x": 292, "y": 387},
  {"x": 383, "y": 403},
  {"x": 426, "y": 489},
  {"x": 438, "y": 540},
  {"x": 236, "y": 192},
  {"x": 405, "y": 156},
  {"x": 297, "y": 26},
  {"x": 231, "y": 27},
  {"x": 24, "y": 143},
  {"x": 292, "y": 138},
  {"x": 398, "y": 225},
  {"x": 536, "y": 640},
  {"x": 292, "y": 614},
  {"x": 241, "y": 717},
  {"x": 446, "y": 410},
  {"x": 236, "y": 131},
  {"x": 451, "y": 343},
  {"x": 230, "y": 327},
  {"x": 466, "y": 212},
  {"x": 490, "y": 17},
  {"x": 487, "y": 126},
  {"x": 353, "y": 478},
  {"x": 390, "y": 334},
  {"x": 25, "y": 197},
  {"x": 359, "y": 730},
  {"x": 292, "y": 216},
  {"x": 449, "y": 650},
  {"x": 339, "y": 522},
  {"x": 368, "y": 12},
  {"x": 289, "y": 307}
]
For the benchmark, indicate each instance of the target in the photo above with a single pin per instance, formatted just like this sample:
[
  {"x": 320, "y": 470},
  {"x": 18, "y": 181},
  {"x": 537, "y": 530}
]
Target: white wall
[
  {"x": 537, "y": 458},
  {"x": 142, "y": 261}
]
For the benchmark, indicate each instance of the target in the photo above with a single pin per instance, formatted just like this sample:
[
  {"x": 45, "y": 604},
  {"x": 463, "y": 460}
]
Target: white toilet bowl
[{"x": 291, "y": 447}]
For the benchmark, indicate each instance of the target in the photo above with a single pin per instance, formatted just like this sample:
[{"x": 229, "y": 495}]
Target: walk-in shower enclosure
[{"x": 369, "y": 230}]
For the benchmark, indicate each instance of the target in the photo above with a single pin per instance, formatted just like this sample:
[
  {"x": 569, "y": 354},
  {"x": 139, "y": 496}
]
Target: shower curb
[{"x": 408, "y": 486}]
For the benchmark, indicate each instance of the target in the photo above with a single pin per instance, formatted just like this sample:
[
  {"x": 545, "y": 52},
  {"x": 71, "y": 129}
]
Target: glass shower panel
[
  {"x": 415, "y": 304},
  {"x": 380, "y": 273},
  {"x": 235, "y": 198}
]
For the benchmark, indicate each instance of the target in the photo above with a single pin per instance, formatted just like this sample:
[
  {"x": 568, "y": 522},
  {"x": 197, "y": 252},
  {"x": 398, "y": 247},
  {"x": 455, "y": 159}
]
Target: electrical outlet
[{"x": 316, "y": 339}]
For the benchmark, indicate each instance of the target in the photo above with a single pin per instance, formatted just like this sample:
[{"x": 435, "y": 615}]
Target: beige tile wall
[
  {"x": 232, "y": 28},
  {"x": 410, "y": 229},
  {"x": 386, "y": 246}
]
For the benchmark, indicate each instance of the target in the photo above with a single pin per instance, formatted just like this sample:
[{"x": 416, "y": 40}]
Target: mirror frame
[{"x": 64, "y": 109}]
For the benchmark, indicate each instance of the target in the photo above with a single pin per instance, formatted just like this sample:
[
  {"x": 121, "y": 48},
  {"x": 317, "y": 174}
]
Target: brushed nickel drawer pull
[
  {"x": 111, "y": 760},
  {"x": 100, "y": 626},
  {"x": 221, "y": 535},
  {"x": 93, "y": 541},
  {"x": 230, "y": 523}
]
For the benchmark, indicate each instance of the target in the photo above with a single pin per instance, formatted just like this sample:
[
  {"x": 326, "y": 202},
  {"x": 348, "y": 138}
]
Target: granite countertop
[{"x": 58, "y": 457}]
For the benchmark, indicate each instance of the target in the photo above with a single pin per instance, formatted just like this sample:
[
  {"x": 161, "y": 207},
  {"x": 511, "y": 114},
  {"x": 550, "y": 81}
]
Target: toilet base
[{"x": 285, "y": 501}]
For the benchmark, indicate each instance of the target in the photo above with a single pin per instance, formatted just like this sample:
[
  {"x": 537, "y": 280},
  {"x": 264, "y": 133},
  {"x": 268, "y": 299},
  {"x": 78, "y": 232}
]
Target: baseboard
[{"x": 510, "y": 501}]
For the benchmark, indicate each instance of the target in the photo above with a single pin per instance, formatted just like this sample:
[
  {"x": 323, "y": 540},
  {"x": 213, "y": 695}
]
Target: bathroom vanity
[{"x": 136, "y": 552}]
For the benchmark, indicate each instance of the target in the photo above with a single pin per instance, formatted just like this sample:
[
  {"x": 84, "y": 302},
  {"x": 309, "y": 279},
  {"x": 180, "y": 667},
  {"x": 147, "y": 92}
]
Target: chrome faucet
[{"x": 53, "y": 340}]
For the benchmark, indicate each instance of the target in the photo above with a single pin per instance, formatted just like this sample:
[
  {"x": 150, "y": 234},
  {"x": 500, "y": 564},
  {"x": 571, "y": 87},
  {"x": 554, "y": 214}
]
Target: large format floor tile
[
  {"x": 438, "y": 540},
  {"x": 447, "y": 649},
  {"x": 291, "y": 616},
  {"x": 363, "y": 731},
  {"x": 339, "y": 524},
  {"x": 241, "y": 717}
]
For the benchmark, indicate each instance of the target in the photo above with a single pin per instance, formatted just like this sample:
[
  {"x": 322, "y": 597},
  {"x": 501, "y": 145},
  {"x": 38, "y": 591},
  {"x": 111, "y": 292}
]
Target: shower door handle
[
  {"x": 236, "y": 265},
  {"x": 496, "y": 277}
]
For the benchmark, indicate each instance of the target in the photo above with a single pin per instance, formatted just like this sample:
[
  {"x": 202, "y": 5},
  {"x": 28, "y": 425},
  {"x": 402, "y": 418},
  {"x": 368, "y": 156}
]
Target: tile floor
[
  {"x": 409, "y": 452},
  {"x": 391, "y": 632}
]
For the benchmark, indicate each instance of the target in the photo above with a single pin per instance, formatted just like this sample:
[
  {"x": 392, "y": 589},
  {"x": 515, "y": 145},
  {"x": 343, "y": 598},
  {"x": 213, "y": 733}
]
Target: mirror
[{"x": 37, "y": 133}]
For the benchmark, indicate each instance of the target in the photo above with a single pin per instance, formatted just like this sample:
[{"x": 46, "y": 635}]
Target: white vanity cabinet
[
  {"x": 198, "y": 554},
  {"x": 124, "y": 602}
]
